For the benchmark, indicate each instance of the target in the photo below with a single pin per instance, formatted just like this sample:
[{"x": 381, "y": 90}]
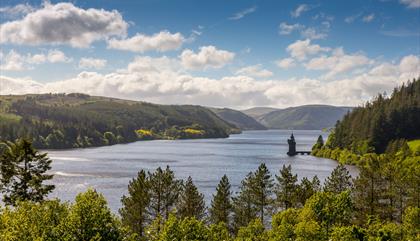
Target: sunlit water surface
[{"x": 109, "y": 169}]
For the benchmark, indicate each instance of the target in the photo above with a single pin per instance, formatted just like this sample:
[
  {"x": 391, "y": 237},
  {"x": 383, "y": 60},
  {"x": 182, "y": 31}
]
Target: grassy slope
[{"x": 414, "y": 145}]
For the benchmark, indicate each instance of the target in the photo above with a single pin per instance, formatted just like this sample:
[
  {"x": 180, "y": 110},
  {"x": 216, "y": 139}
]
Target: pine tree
[
  {"x": 171, "y": 190},
  {"x": 262, "y": 189},
  {"x": 221, "y": 205},
  {"x": 191, "y": 202},
  {"x": 244, "y": 210},
  {"x": 319, "y": 143},
  {"x": 339, "y": 181},
  {"x": 286, "y": 188},
  {"x": 164, "y": 192},
  {"x": 23, "y": 172},
  {"x": 134, "y": 211},
  {"x": 307, "y": 188}
]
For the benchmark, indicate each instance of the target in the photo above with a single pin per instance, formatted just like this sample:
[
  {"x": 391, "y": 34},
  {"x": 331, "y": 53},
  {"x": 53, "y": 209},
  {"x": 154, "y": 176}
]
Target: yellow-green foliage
[
  {"x": 194, "y": 132},
  {"x": 414, "y": 146},
  {"x": 6, "y": 117},
  {"x": 145, "y": 134}
]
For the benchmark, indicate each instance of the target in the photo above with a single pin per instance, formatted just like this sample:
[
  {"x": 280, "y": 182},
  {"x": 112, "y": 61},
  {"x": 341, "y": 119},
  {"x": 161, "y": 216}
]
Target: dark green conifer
[
  {"x": 286, "y": 188},
  {"x": 244, "y": 210},
  {"x": 191, "y": 201},
  {"x": 134, "y": 206},
  {"x": 23, "y": 171},
  {"x": 221, "y": 206},
  {"x": 339, "y": 181},
  {"x": 262, "y": 189}
]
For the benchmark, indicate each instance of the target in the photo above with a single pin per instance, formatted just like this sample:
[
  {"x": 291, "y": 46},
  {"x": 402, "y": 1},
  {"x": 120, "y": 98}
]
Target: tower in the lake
[{"x": 292, "y": 146}]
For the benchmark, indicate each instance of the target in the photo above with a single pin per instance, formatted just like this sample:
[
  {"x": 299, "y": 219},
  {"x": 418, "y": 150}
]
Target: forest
[
  {"x": 158, "y": 206},
  {"x": 54, "y": 121}
]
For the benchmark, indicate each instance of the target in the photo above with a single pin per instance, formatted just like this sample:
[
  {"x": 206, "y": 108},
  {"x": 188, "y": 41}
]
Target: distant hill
[
  {"x": 257, "y": 112},
  {"x": 239, "y": 119},
  {"x": 79, "y": 120},
  {"x": 307, "y": 117}
]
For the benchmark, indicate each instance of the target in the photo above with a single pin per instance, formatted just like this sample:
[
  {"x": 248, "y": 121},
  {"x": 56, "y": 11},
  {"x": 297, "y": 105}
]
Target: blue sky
[{"x": 219, "y": 53}]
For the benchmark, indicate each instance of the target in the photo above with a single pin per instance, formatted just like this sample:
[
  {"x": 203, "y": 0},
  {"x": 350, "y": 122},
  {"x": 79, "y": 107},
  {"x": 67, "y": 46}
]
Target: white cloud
[
  {"x": 286, "y": 63},
  {"x": 285, "y": 29},
  {"x": 411, "y": 3},
  {"x": 311, "y": 33},
  {"x": 56, "y": 56},
  {"x": 92, "y": 63},
  {"x": 145, "y": 79},
  {"x": 302, "y": 48},
  {"x": 352, "y": 18},
  {"x": 338, "y": 63},
  {"x": 207, "y": 57},
  {"x": 15, "y": 61},
  {"x": 16, "y": 11},
  {"x": 243, "y": 13},
  {"x": 368, "y": 18},
  {"x": 255, "y": 71},
  {"x": 63, "y": 23},
  {"x": 299, "y": 10},
  {"x": 162, "y": 41}
]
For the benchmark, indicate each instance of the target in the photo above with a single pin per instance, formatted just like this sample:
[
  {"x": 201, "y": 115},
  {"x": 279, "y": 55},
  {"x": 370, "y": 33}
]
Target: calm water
[{"x": 109, "y": 169}]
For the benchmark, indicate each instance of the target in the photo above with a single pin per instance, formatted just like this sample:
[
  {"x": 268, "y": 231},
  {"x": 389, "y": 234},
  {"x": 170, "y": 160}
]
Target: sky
[{"x": 236, "y": 54}]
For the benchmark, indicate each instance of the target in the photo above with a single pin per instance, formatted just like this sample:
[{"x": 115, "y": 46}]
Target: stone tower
[{"x": 292, "y": 146}]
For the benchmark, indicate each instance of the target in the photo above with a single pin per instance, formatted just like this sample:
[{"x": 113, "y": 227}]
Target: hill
[
  {"x": 79, "y": 120},
  {"x": 257, "y": 112},
  {"x": 380, "y": 122},
  {"x": 307, "y": 117},
  {"x": 239, "y": 119}
]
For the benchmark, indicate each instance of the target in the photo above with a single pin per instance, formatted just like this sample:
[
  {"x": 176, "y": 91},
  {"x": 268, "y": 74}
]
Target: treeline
[
  {"x": 374, "y": 126},
  {"x": 158, "y": 207},
  {"x": 54, "y": 121}
]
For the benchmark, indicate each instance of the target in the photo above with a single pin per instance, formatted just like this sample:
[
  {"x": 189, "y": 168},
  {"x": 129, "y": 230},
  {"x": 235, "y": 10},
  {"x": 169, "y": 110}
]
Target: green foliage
[
  {"x": 339, "y": 181},
  {"x": 255, "y": 231},
  {"x": 75, "y": 120},
  {"x": 134, "y": 206},
  {"x": 283, "y": 225},
  {"x": 286, "y": 188},
  {"x": 307, "y": 188},
  {"x": 191, "y": 201},
  {"x": 22, "y": 172},
  {"x": 244, "y": 210},
  {"x": 261, "y": 191},
  {"x": 221, "y": 205},
  {"x": 411, "y": 223}
]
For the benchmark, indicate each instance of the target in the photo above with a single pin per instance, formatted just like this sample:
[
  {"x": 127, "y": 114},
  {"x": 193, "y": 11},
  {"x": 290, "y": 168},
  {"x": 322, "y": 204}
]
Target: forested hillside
[
  {"x": 375, "y": 126},
  {"x": 78, "y": 120},
  {"x": 239, "y": 119}
]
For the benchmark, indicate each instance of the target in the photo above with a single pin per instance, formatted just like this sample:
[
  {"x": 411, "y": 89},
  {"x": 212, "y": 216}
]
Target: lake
[{"x": 109, "y": 169}]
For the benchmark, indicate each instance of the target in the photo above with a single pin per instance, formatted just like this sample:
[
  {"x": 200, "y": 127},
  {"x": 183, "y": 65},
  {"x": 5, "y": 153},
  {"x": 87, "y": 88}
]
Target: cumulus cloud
[
  {"x": 299, "y": 10},
  {"x": 305, "y": 32},
  {"x": 14, "y": 61},
  {"x": 311, "y": 33},
  {"x": 303, "y": 48},
  {"x": 162, "y": 41},
  {"x": 207, "y": 57},
  {"x": 255, "y": 71},
  {"x": 286, "y": 63},
  {"x": 63, "y": 23},
  {"x": 92, "y": 63},
  {"x": 411, "y": 3},
  {"x": 338, "y": 62},
  {"x": 145, "y": 79},
  {"x": 16, "y": 11},
  {"x": 243, "y": 13}
]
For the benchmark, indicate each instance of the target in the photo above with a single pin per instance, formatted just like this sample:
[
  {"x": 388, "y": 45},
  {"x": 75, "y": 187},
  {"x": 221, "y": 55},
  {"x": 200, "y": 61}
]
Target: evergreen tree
[
  {"x": 134, "y": 211},
  {"x": 339, "y": 181},
  {"x": 221, "y": 205},
  {"x": 191, "y": 202},
  {"x": 286, "y": 188},
  {"x": 262, "y": 189},
  {"x": 171, "y": 190},
  {"x": 23, "y": 172},
  {"x": 164, "y": 191},
  {"x": 307, "y": 188},
  {"x": 244, "y": 210},
  {"x": 319, "y": 143}
]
